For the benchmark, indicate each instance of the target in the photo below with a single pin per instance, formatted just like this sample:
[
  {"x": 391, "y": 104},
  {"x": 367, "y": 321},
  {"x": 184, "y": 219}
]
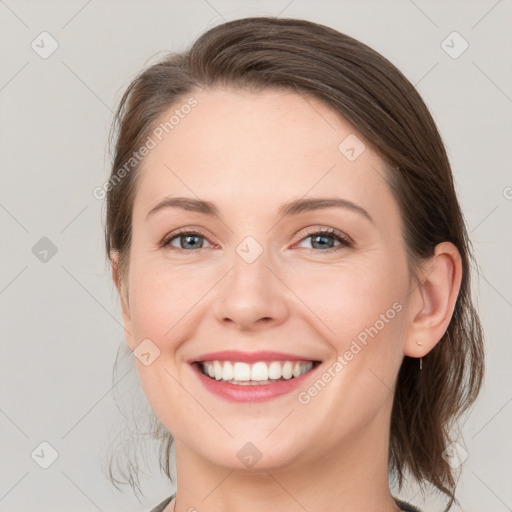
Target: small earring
[{"x": 419, "y": 343}]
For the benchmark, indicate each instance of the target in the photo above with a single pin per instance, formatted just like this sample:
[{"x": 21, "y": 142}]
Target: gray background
[{"x": 60, "y": 327}]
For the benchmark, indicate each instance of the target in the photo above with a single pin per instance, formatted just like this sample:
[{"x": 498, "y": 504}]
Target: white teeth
[
  {"x": 274, "y": 370},
  {"x": 241, "y": 371},
  {"x": 217, "y": 368},
  {"x": 287, "y": 370},
  {"x": 260, "y": 371},
  {"x": 227, "y": 371}
]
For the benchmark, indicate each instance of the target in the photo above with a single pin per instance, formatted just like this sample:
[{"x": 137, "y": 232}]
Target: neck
[{"x": 350, "y": 477}]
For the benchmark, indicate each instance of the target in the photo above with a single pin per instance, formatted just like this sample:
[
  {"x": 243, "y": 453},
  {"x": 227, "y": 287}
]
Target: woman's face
[{"x": 260, "y": 278}]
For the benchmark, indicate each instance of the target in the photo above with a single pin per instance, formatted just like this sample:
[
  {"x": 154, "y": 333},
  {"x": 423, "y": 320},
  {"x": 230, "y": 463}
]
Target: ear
[
  {"x": 433, "y": 300},
  {"x": 121, "y": 284}
]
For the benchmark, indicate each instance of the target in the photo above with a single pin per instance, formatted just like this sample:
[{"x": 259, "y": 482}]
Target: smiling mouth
[{"x": 257, "y": 373}]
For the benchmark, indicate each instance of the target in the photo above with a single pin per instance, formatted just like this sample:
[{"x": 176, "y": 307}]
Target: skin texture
[{"x": 249, "y": 153}]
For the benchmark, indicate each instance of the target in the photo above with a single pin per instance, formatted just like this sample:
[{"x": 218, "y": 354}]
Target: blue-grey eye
[
  {"x": 191, "y": 241},
  {"x": 325, "y": 240},
  {"x": 186, "y": 241}
]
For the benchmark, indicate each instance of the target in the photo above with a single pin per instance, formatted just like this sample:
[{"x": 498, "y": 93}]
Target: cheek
[
  {"x": 362, "y": 317},
  {"x": 359, "y": 302},
  {"x": 165, "y": 299}
]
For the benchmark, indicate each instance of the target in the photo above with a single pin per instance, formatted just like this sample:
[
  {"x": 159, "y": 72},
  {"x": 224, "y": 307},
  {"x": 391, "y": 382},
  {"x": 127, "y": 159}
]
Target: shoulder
[
  {"x": 161, "y": 506},
  {"x": 406, "y": 507}
]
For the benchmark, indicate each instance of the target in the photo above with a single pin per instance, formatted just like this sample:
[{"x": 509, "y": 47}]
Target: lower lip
[{"x": 251, "y": 393}]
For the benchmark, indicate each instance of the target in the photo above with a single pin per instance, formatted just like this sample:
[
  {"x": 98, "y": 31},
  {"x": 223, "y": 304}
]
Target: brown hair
[{"x": 376, "y": 98}]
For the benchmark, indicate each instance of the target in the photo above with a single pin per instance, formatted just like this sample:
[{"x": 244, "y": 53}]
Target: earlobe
[{"x": 434, "y": 301}]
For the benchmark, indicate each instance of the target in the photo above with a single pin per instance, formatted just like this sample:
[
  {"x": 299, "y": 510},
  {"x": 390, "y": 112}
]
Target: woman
[{"x": 293, "y": 269}]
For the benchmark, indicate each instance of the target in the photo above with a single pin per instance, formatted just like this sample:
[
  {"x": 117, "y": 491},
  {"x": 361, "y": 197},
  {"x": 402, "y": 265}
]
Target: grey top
[
  {"x": 407, "y": 507},
  {"x": 162, "y": 505}
]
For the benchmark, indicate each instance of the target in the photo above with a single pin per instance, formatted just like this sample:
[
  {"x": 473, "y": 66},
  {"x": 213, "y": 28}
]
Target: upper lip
[{"x": 249, "y": 357}]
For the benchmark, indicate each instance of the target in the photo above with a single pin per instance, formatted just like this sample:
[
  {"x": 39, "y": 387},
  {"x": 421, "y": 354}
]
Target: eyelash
[{"x": 333, "y": 233}]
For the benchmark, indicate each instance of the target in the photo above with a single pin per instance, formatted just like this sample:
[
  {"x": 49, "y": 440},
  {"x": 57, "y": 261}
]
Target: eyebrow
[{"x": 294, "y": 207}]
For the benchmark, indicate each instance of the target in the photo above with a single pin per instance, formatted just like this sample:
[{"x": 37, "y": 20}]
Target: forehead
[
  {"x": 240, "y": 148},
  {"x": 227, "y": 124}
]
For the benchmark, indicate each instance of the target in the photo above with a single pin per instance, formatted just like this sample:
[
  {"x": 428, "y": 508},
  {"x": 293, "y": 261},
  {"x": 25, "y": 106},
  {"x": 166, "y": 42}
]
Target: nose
[{"x": 252, "y": 297}]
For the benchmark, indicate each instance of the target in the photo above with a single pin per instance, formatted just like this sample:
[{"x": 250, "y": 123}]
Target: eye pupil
[
  {"x": 323, "y": 243},
  {"x": 189, "y": 239}
]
